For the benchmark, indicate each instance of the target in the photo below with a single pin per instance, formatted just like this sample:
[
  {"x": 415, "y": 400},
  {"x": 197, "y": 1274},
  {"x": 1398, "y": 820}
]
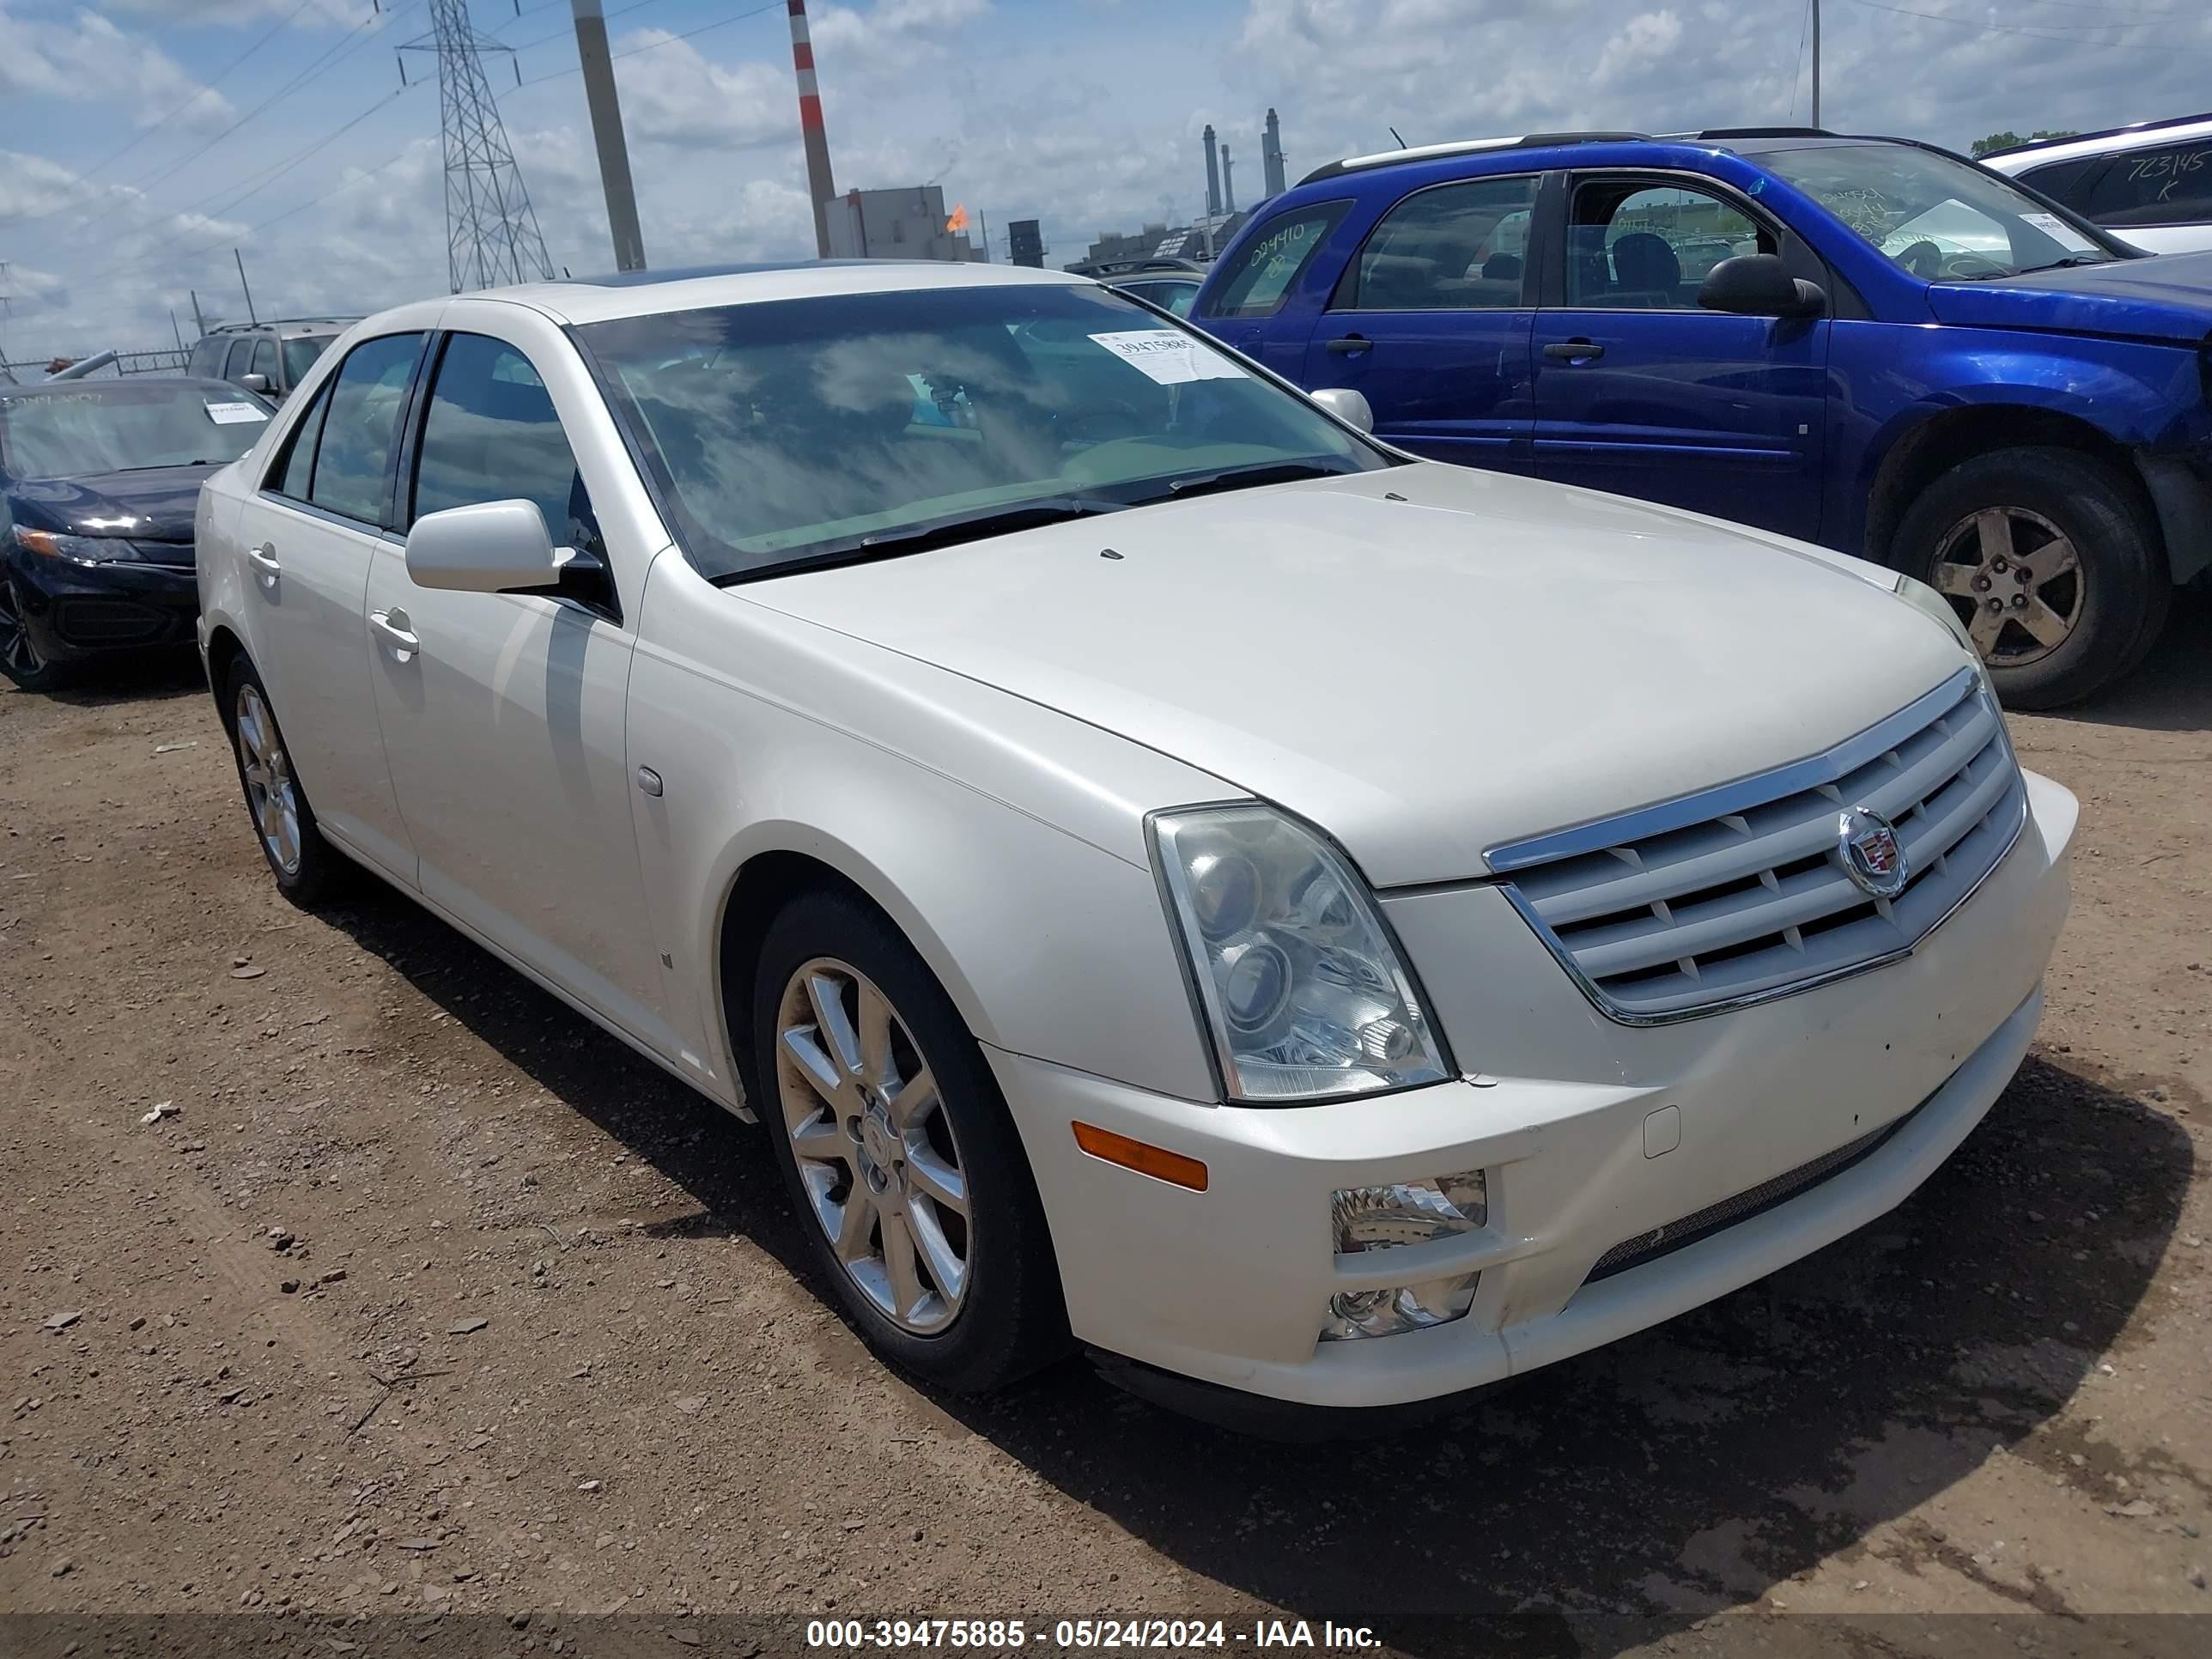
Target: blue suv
[{"x": 1867, "y": 343}]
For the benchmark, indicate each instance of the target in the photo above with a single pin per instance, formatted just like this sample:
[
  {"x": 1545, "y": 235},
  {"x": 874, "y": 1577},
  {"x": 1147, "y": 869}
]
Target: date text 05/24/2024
[{"x": 1085, "y": 1634}]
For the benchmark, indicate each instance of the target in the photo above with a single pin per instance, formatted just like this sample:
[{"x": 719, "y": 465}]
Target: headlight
[
  {"x": 1301, "y": 982},
  {"x": 85, "y": 549},
  {"x": 1924, "y": 598}
]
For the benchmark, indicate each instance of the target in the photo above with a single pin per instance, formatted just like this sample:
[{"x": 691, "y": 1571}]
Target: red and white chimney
[{"x": 821, "y": 189}]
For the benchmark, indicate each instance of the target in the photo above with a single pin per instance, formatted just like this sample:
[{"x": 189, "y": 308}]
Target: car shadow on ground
[
  {"x": 1692, "y": 1468},
  {"x": 2172, "y": 689},
  {"x": 136, "y": 678}
]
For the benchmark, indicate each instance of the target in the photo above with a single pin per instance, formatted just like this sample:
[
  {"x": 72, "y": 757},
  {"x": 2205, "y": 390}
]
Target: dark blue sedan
[{"x": 99, "y": 480}]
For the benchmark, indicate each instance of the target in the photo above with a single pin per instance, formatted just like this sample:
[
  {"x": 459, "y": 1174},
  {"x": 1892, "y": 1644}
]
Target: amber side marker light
[{"x": 1155, "y": 1161}]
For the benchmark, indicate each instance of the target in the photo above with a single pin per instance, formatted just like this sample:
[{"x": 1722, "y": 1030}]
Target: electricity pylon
[{"x": 491, "y": 230}]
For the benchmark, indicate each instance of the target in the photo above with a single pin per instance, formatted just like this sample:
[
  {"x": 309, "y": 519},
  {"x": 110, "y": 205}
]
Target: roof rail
[
  {"x": 1464, "y": 147},
  {"x": 2105, "y": 132},
  {"x": 274, "y": 322},
  {"x": 1756, "y": 132}
]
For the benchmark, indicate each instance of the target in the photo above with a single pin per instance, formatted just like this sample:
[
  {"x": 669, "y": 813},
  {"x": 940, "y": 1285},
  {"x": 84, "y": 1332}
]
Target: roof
[
  {"x": 2096, "y": 142},
  {"x": 1462, "y": 147},
  {"x": 640, "y": 294}
]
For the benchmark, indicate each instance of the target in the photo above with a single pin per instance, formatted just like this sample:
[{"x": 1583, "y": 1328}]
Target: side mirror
[
  {"x": 254, "y": 382},
  {"x": 1760, "y": 285},
  {"x": 1348, "y": 406},
  {"x": 494, "y": 547}
]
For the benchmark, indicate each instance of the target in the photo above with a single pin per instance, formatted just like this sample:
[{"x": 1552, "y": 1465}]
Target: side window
[
  {"x": 491, "y": 434},
  {"x": 1262, "y": 271},
  {"x": 1648, "y": 247},
  {"x": 291, "y": 474},
  {"x": 352, "y": 462},
  {"x": 2064, "y": 181},
  {"x": 240, "y": 351},
  {"x": 2172, "y": 186},
  {"x": 264, "y": 360},
  {"x": 207, "y": 360},
  {"x": 1452, "y": 248}
]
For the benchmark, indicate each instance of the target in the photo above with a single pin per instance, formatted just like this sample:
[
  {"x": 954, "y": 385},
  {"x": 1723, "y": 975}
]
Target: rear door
[
  {"x": 310, "y": 532},
  {"x": 2159, "y": 197},
  {"x": 1431, "y": 323},
  {"x": 1642, "y": 392}
]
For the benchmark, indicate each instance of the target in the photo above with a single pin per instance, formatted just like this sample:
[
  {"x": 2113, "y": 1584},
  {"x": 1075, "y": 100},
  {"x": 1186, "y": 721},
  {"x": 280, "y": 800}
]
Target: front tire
[
  {"x": 308, "y": 868},
  {"x": 2052, "y": 563},
  {"x": 898, "y": 1151},
  {"x": 19, "y": 655}
]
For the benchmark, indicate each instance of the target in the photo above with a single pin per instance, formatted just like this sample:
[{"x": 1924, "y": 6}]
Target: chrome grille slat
[{"x": 1731, "y": 895}]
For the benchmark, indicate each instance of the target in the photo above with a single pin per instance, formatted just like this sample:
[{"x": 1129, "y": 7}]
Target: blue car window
[
  {"x": 1648, "y": 247},
  {"x": 1453, "y": 248},
  {"x": 1260, "y": 273}
]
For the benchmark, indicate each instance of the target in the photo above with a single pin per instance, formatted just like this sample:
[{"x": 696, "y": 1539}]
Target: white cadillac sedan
[{"x": 1172, "y": 874}]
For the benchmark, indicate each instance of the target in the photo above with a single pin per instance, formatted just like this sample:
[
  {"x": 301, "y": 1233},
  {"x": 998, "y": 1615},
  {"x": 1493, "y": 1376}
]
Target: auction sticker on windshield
[
  {"x": 2059, "y": 232},
  {"x": 1168, "y": 358},
  {"x": 235, "y": 414}
]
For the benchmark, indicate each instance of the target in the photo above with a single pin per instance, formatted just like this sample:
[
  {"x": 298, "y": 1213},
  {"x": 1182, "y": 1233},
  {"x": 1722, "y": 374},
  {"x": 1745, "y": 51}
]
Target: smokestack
[
  {"x": 819, "y": 186},
  {"x": 1271, "y": 156},
  {"x": 605, "y": 105},
  {"x": 1213, "y": 176},
  {"x": 1228, "y": 181}
]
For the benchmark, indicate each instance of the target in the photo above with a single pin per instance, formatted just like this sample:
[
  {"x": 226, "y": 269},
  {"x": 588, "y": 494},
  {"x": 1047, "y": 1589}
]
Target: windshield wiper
[
  {"x": 2066, "y": 264},
  {"x": 936, "y": 532},
  {"x": 1247, "y": 478}
]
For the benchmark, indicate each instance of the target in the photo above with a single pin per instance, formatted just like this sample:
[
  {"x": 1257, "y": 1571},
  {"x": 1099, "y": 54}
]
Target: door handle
[
  {"x": 1350, "y": 345},
  {"x": 391, "y": 626},
  {"x": 1574, "y": 352},
  {"x": 264, "y": 559}
]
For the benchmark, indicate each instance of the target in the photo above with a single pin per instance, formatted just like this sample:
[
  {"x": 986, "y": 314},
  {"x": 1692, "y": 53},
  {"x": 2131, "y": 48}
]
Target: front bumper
[
  {"x": 1229, "y": 1286},
  {"x": 77, "y": 610}
]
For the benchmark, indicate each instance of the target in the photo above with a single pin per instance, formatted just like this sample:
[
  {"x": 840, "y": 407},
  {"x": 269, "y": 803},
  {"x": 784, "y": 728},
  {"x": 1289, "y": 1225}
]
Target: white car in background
[
  {"x": 2149, "y": 184},
  {"x": 1173, "y": 875}
]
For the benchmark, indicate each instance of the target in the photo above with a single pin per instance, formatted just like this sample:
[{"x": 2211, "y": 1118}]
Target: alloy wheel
[
  {"x": 874, "y": 1146},
  {"x": 2015, "y": 580},
  {"x": 16, "y": 647},
  {"x": 270, "y": 794}
]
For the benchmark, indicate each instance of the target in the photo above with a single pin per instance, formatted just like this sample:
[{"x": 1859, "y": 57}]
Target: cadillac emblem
[{"x": 1873, "y": 857}]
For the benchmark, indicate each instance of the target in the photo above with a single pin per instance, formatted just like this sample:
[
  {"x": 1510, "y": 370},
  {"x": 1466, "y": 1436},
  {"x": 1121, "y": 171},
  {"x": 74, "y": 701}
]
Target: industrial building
[
  {"x": 906, "y": 224},
  {"x": 1205, "y": 235}
]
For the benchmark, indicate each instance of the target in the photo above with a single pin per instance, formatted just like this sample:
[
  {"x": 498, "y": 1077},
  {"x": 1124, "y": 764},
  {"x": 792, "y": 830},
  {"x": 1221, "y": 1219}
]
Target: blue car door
[
  {"x": 1641, "y": 392},
  {"x": 1431, "y": 323},
  {"x": 1259, "y": 300}
]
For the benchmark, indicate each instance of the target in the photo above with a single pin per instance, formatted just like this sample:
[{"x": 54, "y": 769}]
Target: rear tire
[
  {"x": 308, "y": 868},
  {"x": 19, "y": 658},
  {"x": 898, "y": 1151},
  {"x": 2052, "y": 561}
]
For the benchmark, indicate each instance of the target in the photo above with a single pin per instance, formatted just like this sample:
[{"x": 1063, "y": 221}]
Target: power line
[
  {"x": 2065, "y": 33},
  {"x": 654, "y": 46},
  {"x": 569, "y": 34}
]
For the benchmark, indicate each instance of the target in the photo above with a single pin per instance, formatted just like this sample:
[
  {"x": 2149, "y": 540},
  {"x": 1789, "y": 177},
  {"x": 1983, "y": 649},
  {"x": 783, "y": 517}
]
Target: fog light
[
  {"x": 1408, "y": 1212},
  {"x": 1355, "y": 1314}
]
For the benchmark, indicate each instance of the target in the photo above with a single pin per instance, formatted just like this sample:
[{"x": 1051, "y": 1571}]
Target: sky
[{"x": 142, "y": 141}]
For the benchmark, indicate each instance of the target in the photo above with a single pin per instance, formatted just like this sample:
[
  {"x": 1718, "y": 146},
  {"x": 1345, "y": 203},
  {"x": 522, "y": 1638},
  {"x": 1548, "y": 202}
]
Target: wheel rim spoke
[
  {"x": 899, "y": 1267},
  {"x": 1993, "y": 531},
  {"x": 802, "y": 1048},
  {"x": 819, "y": 1141},
  {"x": 915, "y": 1100},
  {"x": 2050, "y": 562},
  {"x": 936, "y": 1179},
  {"x": 1959, "y": 579},
  {"x": 834, "y": 1028},
  {"x": 946, "y": 1270},
  {"x": 2049, "y": 627},
  {"x": 854, "y": 1225},
  {"x": 1985, "y": 630},
  {"x": 873, "y": 1039}
]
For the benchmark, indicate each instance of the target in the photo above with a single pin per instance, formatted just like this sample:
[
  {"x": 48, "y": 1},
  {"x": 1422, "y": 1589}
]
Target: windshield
[
  {"x": 1936, "y": 217},
  {"x": 794, "y": 430},
  {"x": 117, "y": 428},
  {"x": 300, "y": 354}
]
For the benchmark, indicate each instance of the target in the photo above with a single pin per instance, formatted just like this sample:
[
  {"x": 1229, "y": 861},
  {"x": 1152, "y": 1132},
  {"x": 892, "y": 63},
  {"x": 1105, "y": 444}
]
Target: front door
[
  {"x": 1431, "y": 323},
  {"x": 1641, "y": 392},
  {"x": 311, "y": 534},
  {"x": 503, "y": 713}
]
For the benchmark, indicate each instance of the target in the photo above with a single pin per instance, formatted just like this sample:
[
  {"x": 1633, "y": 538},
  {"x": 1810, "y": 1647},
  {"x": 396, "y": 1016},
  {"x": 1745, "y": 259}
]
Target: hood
[
  {"x": 2166, "y": 296},
  {"x": 149, "y": 504},
  {"x": 1488, "y": 658}
]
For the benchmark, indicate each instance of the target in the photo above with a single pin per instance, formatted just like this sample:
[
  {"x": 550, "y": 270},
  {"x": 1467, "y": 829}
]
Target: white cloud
[
  {"x": 673, "y": 95},
  {"x": 317, "y": 13},
  {"x": 89, "y": 59}
]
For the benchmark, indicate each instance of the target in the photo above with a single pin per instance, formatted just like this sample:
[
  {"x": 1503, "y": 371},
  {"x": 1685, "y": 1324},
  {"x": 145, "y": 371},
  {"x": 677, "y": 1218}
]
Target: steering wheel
[
  {"x": 1971, "y": 264},
  {"x": 1117, "y": 418},
  {"x": 1923, "y": 259}
]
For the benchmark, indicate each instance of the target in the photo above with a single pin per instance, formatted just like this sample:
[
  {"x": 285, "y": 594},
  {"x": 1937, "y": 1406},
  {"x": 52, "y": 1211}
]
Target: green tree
[{"x": 2007, "y": 140}]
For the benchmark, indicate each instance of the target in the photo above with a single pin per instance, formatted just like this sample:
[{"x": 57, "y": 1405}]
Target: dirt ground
[{"x": 430, "y": 1307}]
